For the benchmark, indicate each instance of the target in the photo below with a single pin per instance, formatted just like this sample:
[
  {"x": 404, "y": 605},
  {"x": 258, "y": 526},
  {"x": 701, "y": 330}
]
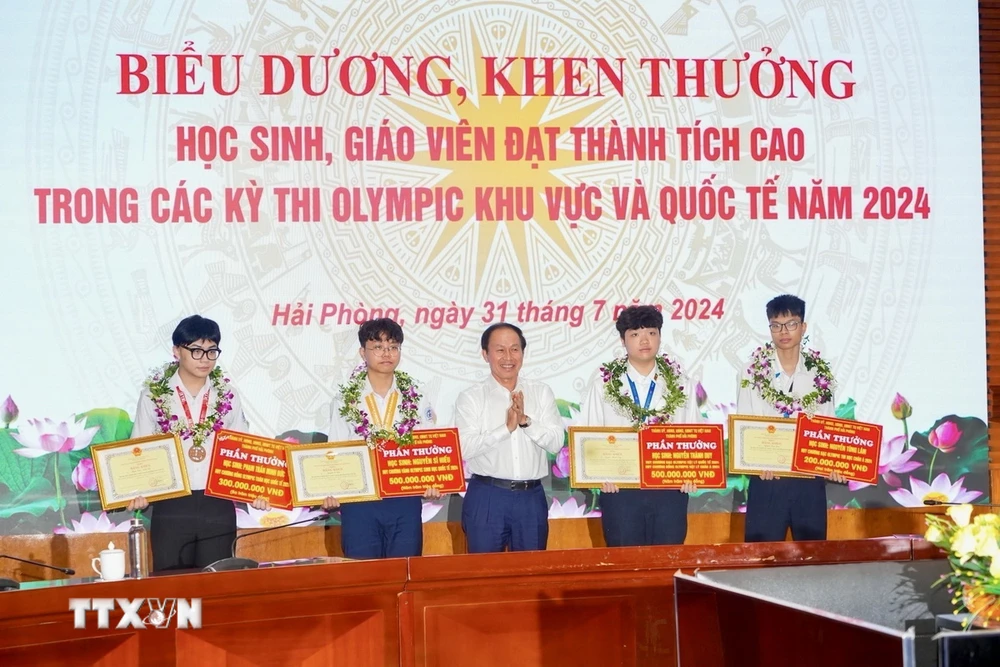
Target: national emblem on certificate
[
  {"x": 759, "y": 444},
  {"x": 345, "y": 470},
  {"x": 603, "y": 454},
  {"x": 152, "y": 467}
]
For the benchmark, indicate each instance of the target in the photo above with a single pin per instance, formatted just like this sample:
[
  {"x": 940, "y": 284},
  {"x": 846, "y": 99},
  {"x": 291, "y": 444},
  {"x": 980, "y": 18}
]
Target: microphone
[
  {"x": 939, "y": 503},
  {"x": 11, "y": 585},
  {"x": 234, "y": 563},
  {"x": 64, "y": 570}
]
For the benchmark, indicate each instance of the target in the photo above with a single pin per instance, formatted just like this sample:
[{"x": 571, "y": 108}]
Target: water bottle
[{"x": 138, "y": 549}]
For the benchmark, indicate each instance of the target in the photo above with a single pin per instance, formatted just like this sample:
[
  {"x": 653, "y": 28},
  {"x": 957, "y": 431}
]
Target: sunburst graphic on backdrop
[
  {"x": 476, "y": 259},
  {"x": 525, "y": 115}
]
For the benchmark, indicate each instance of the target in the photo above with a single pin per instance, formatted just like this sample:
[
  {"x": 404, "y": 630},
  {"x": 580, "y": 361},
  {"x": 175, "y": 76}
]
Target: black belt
[{"x": 510, "y": 484}]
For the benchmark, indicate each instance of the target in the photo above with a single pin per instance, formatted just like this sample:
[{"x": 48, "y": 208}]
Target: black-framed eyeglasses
[
  {"x": 197, "y": 352},
  {"x": 786, "y": 326}
]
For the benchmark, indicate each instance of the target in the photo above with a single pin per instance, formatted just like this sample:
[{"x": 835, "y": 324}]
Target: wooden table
[
  {"x": 343, "y": 614},
  {"x": 597, "y": 607},
  {"x": 582, "y": 607}
]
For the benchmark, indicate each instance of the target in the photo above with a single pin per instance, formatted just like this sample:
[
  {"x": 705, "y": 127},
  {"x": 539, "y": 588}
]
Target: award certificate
[
  {"x": 603, "y": 454},
  {"x": 344, "y": 470},
  {"x": 759, "y": 444},
  {"x": 152, "y": 467}
]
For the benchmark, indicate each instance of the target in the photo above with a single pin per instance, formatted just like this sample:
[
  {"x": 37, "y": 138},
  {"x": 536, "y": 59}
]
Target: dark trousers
[
  {"x": 388, "y": 528},
  {"x": 639, "y": 517},
  {"x": 775, "y": 505},
  {"x": 495, "y": 519},
  {"x": 191, "y": 531}
]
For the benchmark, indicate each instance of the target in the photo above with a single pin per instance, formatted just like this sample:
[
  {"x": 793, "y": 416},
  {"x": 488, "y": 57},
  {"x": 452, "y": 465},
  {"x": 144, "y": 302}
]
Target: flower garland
[
  {"x": 160, "y": 391},
  {"x": 402, "y": 429},
  {"x": 761, "y": 368},
  {"x": 667, "y": 370}
]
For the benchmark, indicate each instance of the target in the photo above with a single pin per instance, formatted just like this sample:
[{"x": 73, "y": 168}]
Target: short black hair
[
  {"x": 195, "y": 328},
  {"x": 639, "y": 317},
  {"x": 786, "y": 304},
  {"x": 381, "y": 328},
  {"x": 485, "y": 340}
]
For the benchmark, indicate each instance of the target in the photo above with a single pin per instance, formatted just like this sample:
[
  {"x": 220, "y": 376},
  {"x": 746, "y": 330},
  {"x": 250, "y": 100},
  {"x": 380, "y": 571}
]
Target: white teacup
[{"x": 112, "y": 563}]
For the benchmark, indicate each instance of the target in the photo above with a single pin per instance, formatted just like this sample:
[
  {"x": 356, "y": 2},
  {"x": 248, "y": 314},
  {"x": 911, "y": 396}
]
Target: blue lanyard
[{"x": 635, "y": 393}]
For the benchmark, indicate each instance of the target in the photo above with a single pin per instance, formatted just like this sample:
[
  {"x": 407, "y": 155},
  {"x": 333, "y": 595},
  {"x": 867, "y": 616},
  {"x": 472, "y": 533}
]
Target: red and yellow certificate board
[
  {"x": 244, "y": 467},
  {"x": 433, "y": 460},
  {"x": 825, "y": 444},
  {"x": 672, "y": 454}
]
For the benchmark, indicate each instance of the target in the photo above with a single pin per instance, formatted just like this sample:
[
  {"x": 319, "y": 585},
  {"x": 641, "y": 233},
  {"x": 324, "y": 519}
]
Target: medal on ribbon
[
  {"x": 196, "y": 452},
  {"x": 382, "y": 421}
]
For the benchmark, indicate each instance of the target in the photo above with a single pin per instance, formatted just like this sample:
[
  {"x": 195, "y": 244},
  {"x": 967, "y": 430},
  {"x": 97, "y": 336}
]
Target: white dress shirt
[
  {"x": 597, "y": 411},
  {"x": 145, "y": 423},
  {"x": 341, "y": 430},
  {"x": 491, "y": 450},
  {"x": 749, "y": 402}
]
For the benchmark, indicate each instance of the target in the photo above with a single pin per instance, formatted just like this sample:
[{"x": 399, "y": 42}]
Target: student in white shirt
[
  {"x": 391, "y": 527},
  {"x": 507, "y": 424},
  {"x": 655, "y": 392},
  {"x": 193, "y": 398},
  {"x": 781, "y": 381}
]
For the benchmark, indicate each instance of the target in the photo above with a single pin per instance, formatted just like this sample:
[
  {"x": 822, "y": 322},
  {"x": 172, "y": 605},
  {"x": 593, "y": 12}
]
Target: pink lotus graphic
[
  {"x": 941, "y": 489},
  {"x": 84, "y": 478},
  {"x": 700, "y": 396},
  {"x": 893, "y": 460},
  {"x": 8, "y": 412},
  {"x": 571, "y": 509},
  {"x": 89, "y": 523},
  {"x": 901, "y": 408},
  {"x": 945, "y": 437},
  {"x": 561, "y": 467},
  {"x": 254, "y": 518},
  {"x": 40, "y": 437}
]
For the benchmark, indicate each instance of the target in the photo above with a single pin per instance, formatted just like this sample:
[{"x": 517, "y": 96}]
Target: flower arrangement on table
[{"x": 973, "y": 546}]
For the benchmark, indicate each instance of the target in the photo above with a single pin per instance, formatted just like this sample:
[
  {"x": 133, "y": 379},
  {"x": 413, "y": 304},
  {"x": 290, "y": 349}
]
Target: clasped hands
[{"x": 515, "y": 413}]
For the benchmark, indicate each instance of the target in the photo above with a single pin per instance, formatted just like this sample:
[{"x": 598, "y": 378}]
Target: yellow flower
[
  {"x": 960, "y": 514},
  {"x": 963, "y": 543},
  {"x": 987, "y": 520},
  {"x": 995, "y": 567},
  {"x": 987, "y": 541},
  {"x": 934, "y": 535}
]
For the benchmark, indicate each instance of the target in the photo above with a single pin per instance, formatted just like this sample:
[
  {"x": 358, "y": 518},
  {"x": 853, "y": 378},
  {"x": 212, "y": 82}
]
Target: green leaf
[
  {"x": 969, "y": 456},
  {"x": 67, "y": 464},
  {"x": 36, "y": 499},
  {"x": 114, "y": 424},
  {"x": 853, "y": 505},
  {"x": 16, "y": 471},
  {"x": 737, "y": 483},
  {"x": 566, "y": 409},
  {"x": 846, "y": 410}
]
